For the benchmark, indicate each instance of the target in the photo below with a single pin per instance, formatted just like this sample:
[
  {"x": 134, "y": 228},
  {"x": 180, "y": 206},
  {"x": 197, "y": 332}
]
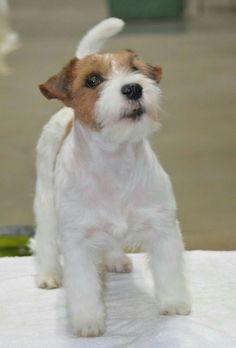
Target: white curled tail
[{"x": 95, "y": 38}]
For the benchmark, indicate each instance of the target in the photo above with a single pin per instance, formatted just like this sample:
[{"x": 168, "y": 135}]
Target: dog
[{"x": 99, "y": 185}]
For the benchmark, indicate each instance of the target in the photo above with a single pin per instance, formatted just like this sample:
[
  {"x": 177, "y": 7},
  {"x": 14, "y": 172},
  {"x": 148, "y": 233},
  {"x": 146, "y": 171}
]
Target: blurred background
[{"x": 195, "y": 43}]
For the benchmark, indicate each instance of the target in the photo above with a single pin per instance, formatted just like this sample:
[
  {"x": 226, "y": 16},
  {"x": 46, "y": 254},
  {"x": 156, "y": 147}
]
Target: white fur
[
  {"x": 49, "y": 270},
  {"x": 97, "y": 36},
  {"x": 102, "y": 190}
]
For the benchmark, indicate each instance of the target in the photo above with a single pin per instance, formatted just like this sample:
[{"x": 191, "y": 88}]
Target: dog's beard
[
  {"x": 129, "y": 130},
  {"x": 132, "y": 123},
  {"x": 136, "y": 112}
]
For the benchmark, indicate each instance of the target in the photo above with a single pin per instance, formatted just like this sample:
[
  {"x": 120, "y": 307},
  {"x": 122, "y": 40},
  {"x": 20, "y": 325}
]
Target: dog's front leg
[
  {"x": 83, "y": 288},
  {"x": 165, "y": 249}
]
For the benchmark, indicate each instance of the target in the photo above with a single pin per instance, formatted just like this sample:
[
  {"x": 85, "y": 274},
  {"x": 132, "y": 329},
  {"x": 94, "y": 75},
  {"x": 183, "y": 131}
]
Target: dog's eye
[
  {"x": 134, "y": 68},
  {"x": 93, "y": 80}
]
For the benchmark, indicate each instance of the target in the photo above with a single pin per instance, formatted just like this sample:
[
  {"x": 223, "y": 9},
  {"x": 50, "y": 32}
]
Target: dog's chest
[
  {"x": 113, "y": 181},
  {"x": 110, "y": 191},
  {"x": 121, "y": 177}
]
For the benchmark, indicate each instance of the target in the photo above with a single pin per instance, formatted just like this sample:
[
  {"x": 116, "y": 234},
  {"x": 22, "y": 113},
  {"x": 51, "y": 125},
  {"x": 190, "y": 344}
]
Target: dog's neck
[{"x": 94, "y": 146}]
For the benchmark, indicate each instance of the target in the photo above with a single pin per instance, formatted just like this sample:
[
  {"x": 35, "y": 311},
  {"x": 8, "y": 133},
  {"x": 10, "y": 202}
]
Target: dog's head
[{"x": 115, "y": 94}]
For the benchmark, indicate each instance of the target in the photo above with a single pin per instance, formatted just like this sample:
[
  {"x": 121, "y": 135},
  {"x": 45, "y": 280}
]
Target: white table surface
[{"x": 31, "y": 317}]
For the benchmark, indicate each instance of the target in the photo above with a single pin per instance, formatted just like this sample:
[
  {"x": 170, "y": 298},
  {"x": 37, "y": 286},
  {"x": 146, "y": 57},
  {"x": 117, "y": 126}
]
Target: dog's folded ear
[
  {"x": 154, "y": 72},
  {"x": 157, "y": 73},
  {"x": 59, "y": 85}
]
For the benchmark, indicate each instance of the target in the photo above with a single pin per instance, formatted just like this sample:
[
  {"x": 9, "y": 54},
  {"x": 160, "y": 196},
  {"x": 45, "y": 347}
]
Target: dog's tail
[{"x": 95, "y": 38}]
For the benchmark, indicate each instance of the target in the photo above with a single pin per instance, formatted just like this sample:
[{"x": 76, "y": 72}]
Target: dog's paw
[
  {"x": 90, "y": 326},
  {"x": 173, "y": 306},
  {"x": 90, "y": 329},
  {"x": 50, "y": 281},
  {"x": 120, "y": 265}
]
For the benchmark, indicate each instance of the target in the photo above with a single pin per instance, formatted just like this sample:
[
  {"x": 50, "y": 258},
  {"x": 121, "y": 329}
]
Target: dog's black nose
[{"x": 132, "y": 91}]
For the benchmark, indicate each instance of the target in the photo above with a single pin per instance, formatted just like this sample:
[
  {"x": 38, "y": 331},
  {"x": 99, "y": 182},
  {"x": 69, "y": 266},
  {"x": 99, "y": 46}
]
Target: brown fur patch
[
  {"x": 67, "y": 130},
  {"x": 59, "y": 85},
  {"x": 153, "y": 72},
  {"x": 84, "y": 98},
  {"x": 128, "y": 58},
  {"x": 124, "y": 58}
]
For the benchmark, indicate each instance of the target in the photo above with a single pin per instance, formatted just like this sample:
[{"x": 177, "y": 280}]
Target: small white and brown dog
[{"x": 99, "y": 184}]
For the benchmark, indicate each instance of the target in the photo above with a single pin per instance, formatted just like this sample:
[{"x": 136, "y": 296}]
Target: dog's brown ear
[
  {"x": 59, "y": 85},
  {"x": 157, "y": 73},
  {"x": 154, "y": 72}
]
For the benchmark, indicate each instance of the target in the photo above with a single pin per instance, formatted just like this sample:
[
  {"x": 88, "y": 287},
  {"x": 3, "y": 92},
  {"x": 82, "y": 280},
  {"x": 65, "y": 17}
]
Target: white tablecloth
[{"x": 31, "y": 317}]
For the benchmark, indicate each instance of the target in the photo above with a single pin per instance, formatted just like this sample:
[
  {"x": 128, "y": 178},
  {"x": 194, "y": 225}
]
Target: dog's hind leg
[{"x": 46, "y": 247}]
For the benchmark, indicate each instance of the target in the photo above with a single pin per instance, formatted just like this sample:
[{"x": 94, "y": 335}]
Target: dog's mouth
[{"x": 135, "y": 114}]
